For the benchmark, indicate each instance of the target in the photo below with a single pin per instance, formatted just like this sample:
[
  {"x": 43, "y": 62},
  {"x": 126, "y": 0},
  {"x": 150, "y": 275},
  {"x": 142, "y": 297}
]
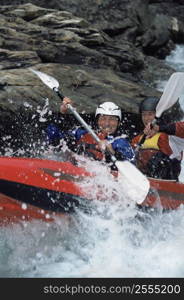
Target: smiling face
[
  {"x": 107, "y": 124},
  {"x": 147, "y": 117}
]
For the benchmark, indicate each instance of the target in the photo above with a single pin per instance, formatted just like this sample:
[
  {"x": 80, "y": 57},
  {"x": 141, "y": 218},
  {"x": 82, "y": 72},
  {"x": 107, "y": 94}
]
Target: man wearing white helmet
[{"x": 107, "y": 120}]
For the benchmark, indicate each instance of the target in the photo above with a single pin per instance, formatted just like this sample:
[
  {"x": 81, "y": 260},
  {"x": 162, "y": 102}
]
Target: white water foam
[
  {"x": 113, "y": 239},
  {"x": 111, "y": 242},
  {"x": 176, "y": 58}
]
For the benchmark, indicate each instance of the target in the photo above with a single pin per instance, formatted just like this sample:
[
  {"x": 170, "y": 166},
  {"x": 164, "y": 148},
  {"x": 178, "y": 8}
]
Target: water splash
[
  {"x": 113, "y": 241},
  {"x": 176, "y": 58}
]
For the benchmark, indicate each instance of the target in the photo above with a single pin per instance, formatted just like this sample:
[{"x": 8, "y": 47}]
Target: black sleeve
[{"x": 168, "y": 129}]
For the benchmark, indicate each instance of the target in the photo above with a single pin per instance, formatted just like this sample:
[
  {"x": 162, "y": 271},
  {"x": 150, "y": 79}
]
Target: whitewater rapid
[{"x": 113, "y": 240}]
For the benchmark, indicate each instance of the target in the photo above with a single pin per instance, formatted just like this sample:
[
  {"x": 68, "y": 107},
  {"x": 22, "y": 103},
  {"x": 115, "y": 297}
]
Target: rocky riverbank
[{"x": 97, "y": 50}]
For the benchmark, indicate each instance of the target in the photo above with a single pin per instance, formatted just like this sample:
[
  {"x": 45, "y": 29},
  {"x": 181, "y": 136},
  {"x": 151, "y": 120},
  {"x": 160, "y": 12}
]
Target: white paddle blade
[
  {"x": 135, "y": 184},
  {"x": 48, "y": 80},
  {"x": 172, "y": 91}
]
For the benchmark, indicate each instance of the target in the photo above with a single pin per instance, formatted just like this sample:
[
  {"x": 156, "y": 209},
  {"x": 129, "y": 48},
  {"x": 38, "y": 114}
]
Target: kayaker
[
  {"x": 161, "y": 154},
  {"x": 107, "y": 119}
]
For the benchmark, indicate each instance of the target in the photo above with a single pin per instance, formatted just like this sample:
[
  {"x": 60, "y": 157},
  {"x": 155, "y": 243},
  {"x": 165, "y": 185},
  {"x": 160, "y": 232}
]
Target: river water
[{"x": 112, "y": 241}]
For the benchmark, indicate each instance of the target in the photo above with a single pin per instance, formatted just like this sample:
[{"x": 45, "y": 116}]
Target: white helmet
[{"x": 109, "y": 109}]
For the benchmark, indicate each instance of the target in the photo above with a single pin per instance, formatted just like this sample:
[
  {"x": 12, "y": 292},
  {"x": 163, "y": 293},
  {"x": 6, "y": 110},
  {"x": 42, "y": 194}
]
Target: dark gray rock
[{"x": 97, "y": 50}]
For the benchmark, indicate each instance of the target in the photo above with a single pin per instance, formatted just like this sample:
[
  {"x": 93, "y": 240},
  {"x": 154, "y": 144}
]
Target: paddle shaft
[{"x": 83, "y": 123}]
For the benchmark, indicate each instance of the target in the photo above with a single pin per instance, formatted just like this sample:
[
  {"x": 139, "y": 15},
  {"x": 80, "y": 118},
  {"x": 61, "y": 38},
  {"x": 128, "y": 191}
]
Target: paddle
[
  {"x": 171, "y": 94},
  {"x": 131, "y": 176}
]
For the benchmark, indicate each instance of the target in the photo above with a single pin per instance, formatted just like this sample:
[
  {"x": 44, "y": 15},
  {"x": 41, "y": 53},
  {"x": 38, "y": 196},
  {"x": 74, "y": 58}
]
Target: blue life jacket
[{"x": 121, "y": 146}]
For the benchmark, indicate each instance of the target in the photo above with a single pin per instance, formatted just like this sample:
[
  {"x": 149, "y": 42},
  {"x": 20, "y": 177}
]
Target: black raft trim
[{"x": 42, "y": 198}]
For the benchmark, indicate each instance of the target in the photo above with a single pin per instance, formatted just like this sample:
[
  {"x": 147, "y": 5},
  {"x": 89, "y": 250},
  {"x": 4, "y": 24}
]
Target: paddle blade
[
  {"x": 172, "y": 91},
  {"x": 135, "y": 184},
  {"x": 50, "y": 81}
]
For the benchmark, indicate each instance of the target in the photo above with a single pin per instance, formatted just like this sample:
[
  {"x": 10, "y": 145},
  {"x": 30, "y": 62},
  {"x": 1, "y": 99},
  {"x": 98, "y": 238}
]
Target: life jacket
[
  {"x": 151, "y": 143},
  {"x": 148, "y": 149},
  {"x": 153, "y": 162},
  {"x": 88, "y": 145}
]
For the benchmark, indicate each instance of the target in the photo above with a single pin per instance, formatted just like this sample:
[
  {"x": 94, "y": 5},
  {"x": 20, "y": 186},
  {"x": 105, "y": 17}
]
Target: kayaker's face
[
  {"x": 108, "y": 124},
  {"x": 148, "y": 117}
]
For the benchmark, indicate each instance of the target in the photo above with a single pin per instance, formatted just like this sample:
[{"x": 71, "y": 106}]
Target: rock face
[{"x": 98, "y": 50}]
